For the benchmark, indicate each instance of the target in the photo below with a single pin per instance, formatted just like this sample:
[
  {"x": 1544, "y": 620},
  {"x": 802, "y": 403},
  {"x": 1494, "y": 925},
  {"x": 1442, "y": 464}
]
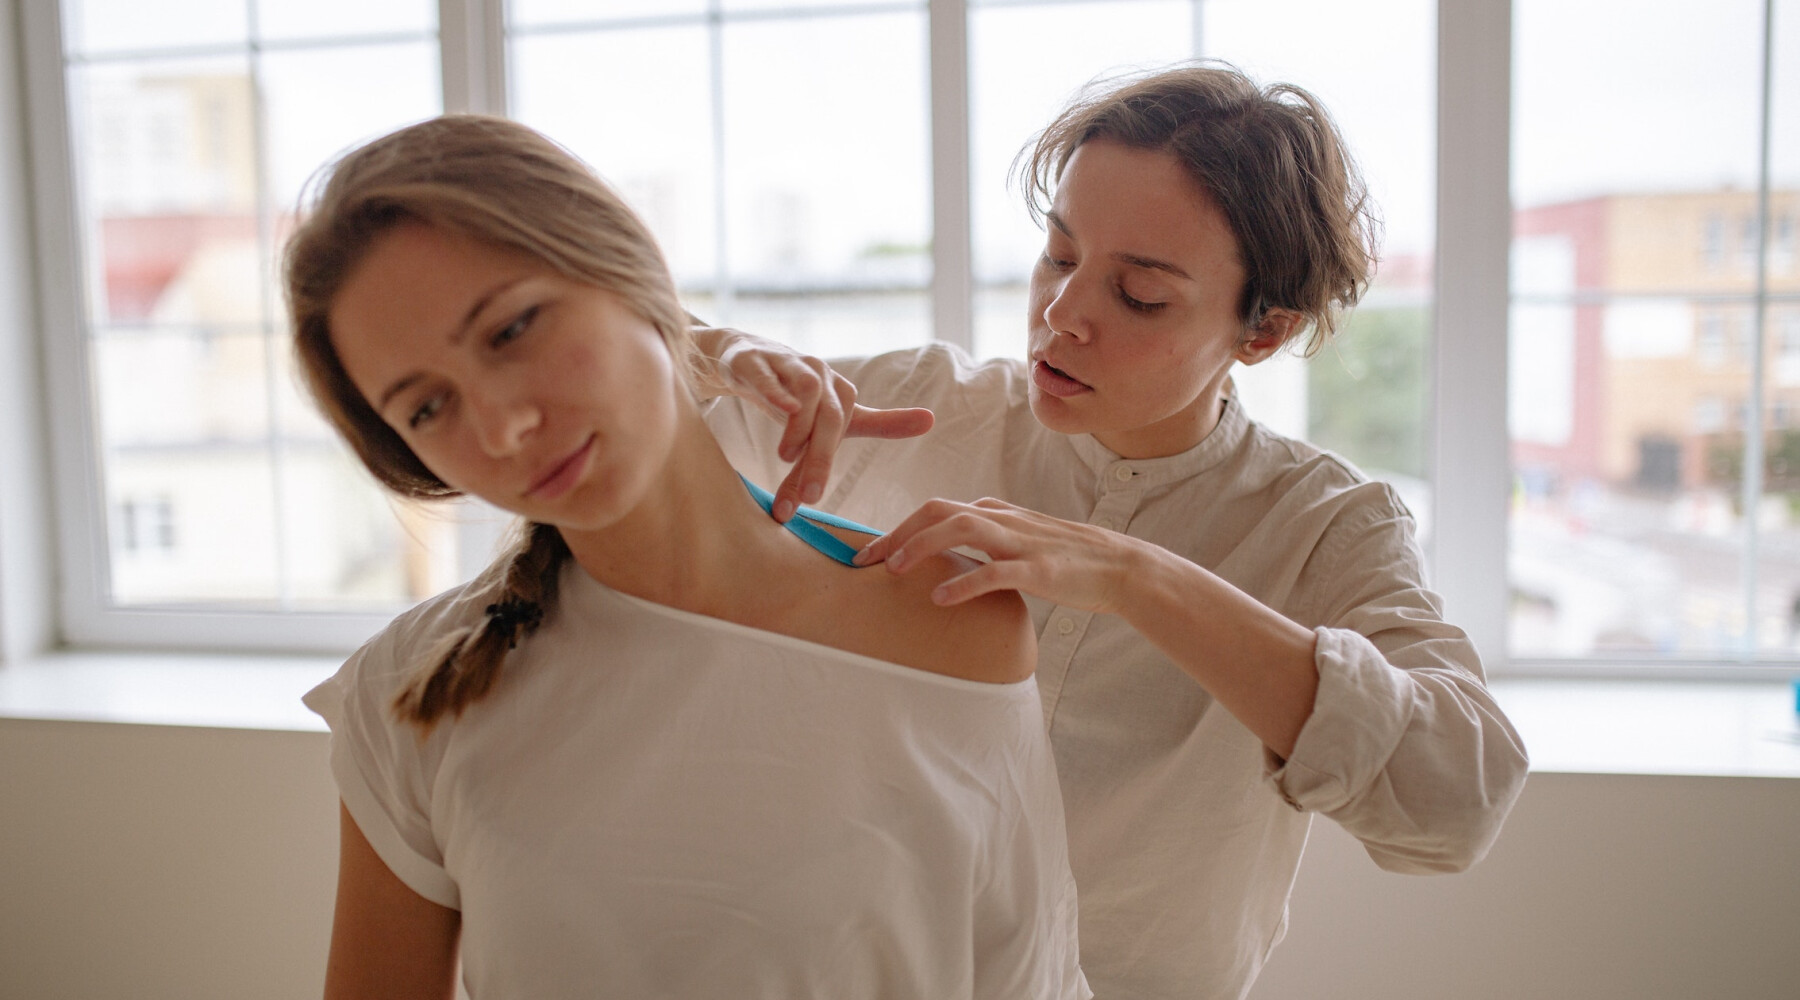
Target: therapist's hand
[
  {"x": 816, "y": 405},
  {"x": 1074, "y": 565}
]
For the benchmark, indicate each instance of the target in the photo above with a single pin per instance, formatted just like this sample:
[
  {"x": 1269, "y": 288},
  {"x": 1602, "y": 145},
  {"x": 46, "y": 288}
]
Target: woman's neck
[{"x": 696, "y": 541}]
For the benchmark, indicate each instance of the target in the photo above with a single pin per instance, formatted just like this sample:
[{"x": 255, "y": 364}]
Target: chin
[{"x": 1056, "y": 414}]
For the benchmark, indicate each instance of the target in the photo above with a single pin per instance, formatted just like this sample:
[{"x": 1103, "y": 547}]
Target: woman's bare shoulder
[{"x": 988, "y": 638}]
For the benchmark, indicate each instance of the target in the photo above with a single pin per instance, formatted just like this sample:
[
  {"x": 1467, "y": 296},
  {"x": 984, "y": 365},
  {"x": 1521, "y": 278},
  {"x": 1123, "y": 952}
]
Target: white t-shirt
[
  {"x": 1185, "y": 833},
  {"x": 657, "y": 803}
]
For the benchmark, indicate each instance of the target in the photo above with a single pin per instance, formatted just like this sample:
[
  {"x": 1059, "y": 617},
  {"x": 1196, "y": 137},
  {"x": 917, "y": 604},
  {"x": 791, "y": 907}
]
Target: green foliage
[
  {"x": 1366, "y": 390},
  {"x": 1781, "y": 461}
]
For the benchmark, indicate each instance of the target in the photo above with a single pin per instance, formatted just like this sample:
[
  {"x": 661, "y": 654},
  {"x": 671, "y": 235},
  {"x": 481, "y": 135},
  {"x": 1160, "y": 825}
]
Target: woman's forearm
[{"x": 1254, "y": 661}]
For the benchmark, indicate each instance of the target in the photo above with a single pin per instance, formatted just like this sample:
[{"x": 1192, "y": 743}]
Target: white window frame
[{"x": 1468, "y": 463}]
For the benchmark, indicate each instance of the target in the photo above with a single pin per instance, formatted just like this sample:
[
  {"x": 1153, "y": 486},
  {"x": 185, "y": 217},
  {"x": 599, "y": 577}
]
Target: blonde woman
[{"x": 666, "y": 746}]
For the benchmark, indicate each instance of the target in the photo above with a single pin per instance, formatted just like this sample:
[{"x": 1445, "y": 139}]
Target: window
[
  {"x": 1653, "y": 520},
  {"x": 827, "y": 172},
  {"x": 834, "y": 172}
]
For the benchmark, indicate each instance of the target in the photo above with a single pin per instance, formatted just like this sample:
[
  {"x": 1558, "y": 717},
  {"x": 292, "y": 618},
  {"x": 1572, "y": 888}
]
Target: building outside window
[{"x": 1642, "y": 535}]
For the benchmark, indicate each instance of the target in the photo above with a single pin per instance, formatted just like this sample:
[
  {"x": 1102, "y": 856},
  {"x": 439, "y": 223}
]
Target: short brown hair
[{"x": 1271, "y": 158}]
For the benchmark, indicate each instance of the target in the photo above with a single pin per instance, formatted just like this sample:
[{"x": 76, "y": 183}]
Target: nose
[
  {"x": 1067, "y": 306},
  {"x": 501, "y": 419}
]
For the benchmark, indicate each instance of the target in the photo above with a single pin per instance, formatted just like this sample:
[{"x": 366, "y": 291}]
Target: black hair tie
[{"x": 513, "y": 615}]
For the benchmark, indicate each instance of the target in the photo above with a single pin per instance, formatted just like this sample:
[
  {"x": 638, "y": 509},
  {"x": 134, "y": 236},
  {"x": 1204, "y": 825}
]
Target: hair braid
[{"x": 464, "y": 667}]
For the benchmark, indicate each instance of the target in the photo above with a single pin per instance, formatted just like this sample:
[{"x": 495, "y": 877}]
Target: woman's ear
[{"x": 1276, "y": 327}]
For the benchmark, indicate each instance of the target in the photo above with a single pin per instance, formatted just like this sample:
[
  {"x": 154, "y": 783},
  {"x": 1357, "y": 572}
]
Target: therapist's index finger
[
  {"x": 928, "y": 513},
  {"x": 890, "y": 425}
]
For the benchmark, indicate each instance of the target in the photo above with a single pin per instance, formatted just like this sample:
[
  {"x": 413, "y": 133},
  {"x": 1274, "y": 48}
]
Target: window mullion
[
  {"x": 1753, "y": 417},
  {"x": 952, "y": 277},
  {"x": 472, "y": 55},
  {"x": 1469, "y": 466}
]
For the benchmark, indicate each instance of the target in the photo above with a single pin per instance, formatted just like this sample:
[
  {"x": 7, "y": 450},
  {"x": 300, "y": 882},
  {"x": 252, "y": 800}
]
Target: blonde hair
[
  {"x": 1272, "y": 159},
  {"x": 499, "y": 182}
]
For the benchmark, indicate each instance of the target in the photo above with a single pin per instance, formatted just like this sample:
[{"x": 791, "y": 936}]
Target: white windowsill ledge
[
  {"x": 1628, "y": 726},
  {"x": 1610, "y": 726},
  {"x": 220, "y": 691}
]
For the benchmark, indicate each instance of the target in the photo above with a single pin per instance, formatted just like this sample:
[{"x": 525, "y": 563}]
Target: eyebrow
[
  {"x": 456, "y": 337},
  {"x": 1135, "y": 260}
]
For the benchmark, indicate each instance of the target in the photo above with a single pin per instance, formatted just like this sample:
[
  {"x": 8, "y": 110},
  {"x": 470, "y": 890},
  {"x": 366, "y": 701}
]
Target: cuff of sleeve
[
  {"x": 418, "y": 874},
  {"x": 1361, "y": 710},
  {"x": 364, "y": 805}
]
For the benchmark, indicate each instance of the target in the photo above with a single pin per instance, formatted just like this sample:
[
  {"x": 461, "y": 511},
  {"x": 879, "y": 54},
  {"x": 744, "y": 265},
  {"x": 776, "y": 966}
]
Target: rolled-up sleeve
[{"x": 1405, "y": 747}]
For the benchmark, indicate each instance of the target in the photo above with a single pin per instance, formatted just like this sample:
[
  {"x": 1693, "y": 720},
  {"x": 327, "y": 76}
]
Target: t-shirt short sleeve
[{"x": 382, "y": 767}]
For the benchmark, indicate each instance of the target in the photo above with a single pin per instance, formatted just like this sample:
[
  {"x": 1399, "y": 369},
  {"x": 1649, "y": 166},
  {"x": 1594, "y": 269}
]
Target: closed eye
[
  {"x": 425, "y": 412},
  {"x": 514, "y": 330},
  {"x": 1138, "y": 305},
  {"x": 1054, "y": 263}
]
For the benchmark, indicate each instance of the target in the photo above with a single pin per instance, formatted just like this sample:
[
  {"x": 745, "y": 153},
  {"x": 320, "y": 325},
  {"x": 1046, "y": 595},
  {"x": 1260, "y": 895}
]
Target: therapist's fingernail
[
  {"x": 896, "y": 559},
  {"x": 861, "y": 558},
  {"x": 784, "y": 509},
  {"x": 813, "y": 492}
]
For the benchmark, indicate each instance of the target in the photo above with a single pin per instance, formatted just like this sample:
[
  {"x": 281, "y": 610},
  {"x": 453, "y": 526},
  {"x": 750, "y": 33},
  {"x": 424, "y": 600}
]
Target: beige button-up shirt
[{"x": 1185, "y": 833}]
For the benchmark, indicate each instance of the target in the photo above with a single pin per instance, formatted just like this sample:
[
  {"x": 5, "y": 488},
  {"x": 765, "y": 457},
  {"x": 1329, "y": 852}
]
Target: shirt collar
[{"x": 1225, "y": 438}]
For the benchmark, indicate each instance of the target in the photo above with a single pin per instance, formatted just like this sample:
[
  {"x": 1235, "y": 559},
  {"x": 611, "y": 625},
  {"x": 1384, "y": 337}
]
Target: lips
[
  {"x": 563, "y": 476},
  {"x": 1055, "y": 382}
]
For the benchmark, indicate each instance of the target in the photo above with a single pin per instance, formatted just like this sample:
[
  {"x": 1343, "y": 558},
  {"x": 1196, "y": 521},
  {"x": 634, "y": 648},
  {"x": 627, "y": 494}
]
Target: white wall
[
  {"x": 1602, "y": 887},
  {"x": 163, "y": 863},
  {"x": 166, "y": 863}
]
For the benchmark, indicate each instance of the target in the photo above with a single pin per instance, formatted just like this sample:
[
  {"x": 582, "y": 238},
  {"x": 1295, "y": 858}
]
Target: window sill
[
  {"x": 1635, "y": 726},
  {"x": 1605, "y": 726},
  {"x": 220, "y": 691}
]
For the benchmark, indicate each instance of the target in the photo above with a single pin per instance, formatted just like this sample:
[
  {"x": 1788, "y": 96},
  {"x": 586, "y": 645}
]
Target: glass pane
[
  {"x": 322, "y": 102},
  {"x": 166, "y": 155},
  {"x": 827, "y": 161},
  {"x": 731, "y": 6},
  {"x": 658, "y": 153},
  {"x": 1668, "y": 103},
  {"x": 1632, "y": 332},
  {"x": 183, "y": 420},
  {"x": 92, "y": 27},
  {"x": 539, "y": 13},
  {"x": 1366, "y": 394},
  {"x": 281, "y": 20}
]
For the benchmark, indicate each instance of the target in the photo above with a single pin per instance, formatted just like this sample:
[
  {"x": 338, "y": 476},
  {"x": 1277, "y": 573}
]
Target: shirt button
[
  {"x": 1065, "y": 626},
  {"x": 1122, "y": 473},
  {"x": 1108, "y": 523}
]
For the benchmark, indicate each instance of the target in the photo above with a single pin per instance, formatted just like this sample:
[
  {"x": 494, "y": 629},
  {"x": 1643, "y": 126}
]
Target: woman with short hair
[{"x": 1234, "y": 627}]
